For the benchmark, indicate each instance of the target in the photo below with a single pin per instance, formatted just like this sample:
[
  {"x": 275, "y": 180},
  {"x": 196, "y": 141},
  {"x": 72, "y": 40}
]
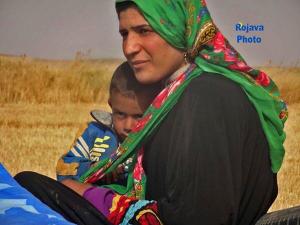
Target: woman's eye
[
  {"x": 123, "y": 34},
  {"x": 144, "y": 31}
]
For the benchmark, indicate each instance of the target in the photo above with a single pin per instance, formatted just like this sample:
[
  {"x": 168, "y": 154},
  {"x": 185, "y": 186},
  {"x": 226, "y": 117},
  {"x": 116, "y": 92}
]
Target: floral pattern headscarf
[{"x": 187, "y": 25}]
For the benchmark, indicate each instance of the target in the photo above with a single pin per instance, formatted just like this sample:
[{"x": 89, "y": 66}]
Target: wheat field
[{"x": 44, "y": 104}]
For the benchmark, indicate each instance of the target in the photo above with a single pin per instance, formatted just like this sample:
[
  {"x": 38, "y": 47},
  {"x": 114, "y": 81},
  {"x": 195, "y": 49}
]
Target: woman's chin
[{"x": 144, "y": 77}]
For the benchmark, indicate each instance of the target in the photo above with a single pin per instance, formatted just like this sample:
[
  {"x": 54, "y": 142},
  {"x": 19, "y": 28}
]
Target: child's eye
[
  {"x": 138, "y": 116},
  {"x": 119, "y": 115}
]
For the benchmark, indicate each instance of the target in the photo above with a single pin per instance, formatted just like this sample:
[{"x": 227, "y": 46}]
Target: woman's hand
[{"x": 76, "y": 186}]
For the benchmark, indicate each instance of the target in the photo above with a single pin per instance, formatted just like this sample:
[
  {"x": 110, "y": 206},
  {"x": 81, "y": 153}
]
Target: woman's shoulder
[
  {"x": 215, "y": 82},
  {"x": 215, "y": 87},
  {"x": 215, "y": 91}
]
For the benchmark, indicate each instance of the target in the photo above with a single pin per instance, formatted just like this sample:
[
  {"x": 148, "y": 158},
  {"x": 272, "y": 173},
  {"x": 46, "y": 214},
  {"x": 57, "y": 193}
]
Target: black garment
[
  {"x": 62, "y": 199},
  {"x": 208, "y": 162}
]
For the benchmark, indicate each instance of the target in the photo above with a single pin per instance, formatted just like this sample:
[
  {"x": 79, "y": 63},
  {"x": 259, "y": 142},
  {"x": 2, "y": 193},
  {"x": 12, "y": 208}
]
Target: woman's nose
[{"x": 131, "y": 45}]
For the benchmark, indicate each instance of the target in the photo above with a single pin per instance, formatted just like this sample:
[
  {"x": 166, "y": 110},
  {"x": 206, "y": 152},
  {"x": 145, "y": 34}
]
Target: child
[{"x": 128, "y": 100}]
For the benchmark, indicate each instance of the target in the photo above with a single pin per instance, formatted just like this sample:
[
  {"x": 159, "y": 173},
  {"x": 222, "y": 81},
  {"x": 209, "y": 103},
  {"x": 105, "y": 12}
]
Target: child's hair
[{"x": 124, "y": 82}]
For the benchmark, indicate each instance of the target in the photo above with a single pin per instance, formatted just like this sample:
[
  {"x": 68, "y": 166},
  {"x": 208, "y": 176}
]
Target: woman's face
[{"x": 150, "y": 56}]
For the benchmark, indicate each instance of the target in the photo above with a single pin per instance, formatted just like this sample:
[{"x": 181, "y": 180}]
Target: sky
[{"x": 57, "y": 29}]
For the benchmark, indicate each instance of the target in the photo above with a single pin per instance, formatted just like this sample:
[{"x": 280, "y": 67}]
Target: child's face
[{"x": 126, "y": 112}]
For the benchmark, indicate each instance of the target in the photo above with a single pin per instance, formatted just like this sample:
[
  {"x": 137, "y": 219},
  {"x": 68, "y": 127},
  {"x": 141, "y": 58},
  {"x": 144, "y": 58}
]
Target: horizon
[
  {"x": 269, "y": 64},
  {"x": 59, "y": 29}
]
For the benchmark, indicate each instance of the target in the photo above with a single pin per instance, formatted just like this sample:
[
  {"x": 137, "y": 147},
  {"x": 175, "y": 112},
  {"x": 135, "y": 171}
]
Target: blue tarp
[{"x": 20, "y": 207}]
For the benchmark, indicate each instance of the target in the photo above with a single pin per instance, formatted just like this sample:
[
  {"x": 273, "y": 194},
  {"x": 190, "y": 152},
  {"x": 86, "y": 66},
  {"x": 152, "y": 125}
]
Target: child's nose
[{"x": 129, "y": 124}]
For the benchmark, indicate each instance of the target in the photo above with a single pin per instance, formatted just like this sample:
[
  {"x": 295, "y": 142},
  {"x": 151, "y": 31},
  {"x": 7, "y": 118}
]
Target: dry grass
[
  {"x": 43, "y": 104},
  {"x": 288, "y": 81},
  {"x": 33, "y": 136},
  {"x": 289, "y": 174},
  {"x": 41, "y": 81}
]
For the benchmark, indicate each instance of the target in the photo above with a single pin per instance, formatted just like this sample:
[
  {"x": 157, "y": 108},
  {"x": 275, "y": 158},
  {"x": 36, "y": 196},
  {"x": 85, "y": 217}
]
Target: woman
[{"x": 210, "y": 145}]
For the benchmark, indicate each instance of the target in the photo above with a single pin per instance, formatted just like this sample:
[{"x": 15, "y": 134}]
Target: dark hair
[
  {"x": 124, "y": 82},
  {"x": 124, "y": 5}
]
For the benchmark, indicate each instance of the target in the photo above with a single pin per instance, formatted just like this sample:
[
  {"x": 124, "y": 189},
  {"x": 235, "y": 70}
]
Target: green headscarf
[{"x": 187, "y": 25}]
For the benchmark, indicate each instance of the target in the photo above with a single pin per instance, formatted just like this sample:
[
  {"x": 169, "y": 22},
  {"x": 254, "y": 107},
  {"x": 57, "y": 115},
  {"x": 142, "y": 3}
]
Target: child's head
[{"x": 128, "y": 99}]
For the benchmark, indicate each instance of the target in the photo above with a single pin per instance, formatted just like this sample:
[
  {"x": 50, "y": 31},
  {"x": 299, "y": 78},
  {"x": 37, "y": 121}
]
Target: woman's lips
[{"x": 138, "y": 63}]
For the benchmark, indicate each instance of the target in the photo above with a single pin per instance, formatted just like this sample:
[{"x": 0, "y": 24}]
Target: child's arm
[
  {"x": 95, "y": 143},
  {"x": 71, "y": 167},
  {"x": 77, "y": 160}
]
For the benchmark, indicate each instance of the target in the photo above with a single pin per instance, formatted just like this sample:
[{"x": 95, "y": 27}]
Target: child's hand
[{"x": 93, "y": 164}]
